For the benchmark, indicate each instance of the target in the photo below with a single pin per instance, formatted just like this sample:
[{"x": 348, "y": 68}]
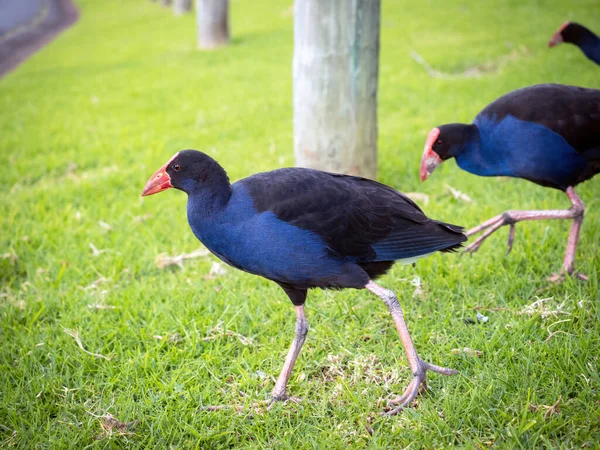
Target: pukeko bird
[
  {"x": 577, "y": 34},
  {"x": 548, "y": 134},
  {"x": 303, "y": 229}
]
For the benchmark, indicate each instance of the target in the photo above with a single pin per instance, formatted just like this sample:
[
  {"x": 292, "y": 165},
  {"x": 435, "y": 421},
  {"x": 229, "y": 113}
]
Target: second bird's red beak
[
  {"x": 557, "y": 37},
  {"x": 430, "y": 159},
  {"x": 159, "y": 181}
]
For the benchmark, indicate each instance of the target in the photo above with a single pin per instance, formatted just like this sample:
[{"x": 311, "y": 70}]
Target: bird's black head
[
  {"x": 188, "y": 171},
  {"x": 570, "y": 32},
  {"x": 444, "y": 142}
]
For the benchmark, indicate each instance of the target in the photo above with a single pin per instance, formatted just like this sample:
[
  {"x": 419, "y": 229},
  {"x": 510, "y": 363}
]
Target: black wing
[
  {"x": 571, "y": 111},
  {"x": 356, "y": 217}
]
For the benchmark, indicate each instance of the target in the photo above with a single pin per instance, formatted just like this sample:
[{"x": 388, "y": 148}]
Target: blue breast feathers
[
  {"x": 261, "y": 243},
  {"x": 518, "y": 148},
  {"x": 591, "y": 50}
]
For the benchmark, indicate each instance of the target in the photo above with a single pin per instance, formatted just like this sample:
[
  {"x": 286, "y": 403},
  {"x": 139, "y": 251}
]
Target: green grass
[{"x": 87, "y": 120}]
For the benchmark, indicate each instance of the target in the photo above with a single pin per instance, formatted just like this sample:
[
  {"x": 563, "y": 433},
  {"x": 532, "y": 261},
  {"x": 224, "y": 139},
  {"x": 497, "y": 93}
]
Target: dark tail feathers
[{"x": 456, "y": 230}]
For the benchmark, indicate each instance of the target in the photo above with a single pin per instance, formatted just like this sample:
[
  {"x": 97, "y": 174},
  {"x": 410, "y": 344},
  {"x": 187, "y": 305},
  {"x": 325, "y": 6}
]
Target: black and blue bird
[
  {"x": 548, "y": 134},
  {"x": 577, "y": 34},
  {"x": 303, "y": 229}
]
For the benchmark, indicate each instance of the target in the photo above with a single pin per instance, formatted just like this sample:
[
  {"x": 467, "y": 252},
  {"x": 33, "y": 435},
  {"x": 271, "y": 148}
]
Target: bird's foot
[
  {"x": 284, "y": 398},
  {"x": 418, "y": 382},
  {"x": 558, "y": 278},
  {"x": 492, "y": 226}
]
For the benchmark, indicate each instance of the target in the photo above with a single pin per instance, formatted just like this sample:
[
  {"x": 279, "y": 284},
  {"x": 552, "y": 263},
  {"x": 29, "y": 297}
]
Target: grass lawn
[{"x": 87, "y": 120}]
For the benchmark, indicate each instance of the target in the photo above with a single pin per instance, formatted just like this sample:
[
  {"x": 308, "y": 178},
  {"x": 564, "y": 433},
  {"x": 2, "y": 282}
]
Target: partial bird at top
[
  {"x": 576, "y": 34},
  {"x": 548, "y": 134}
]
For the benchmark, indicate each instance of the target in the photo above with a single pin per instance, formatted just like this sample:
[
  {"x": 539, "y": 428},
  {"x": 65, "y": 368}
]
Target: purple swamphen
[
  {"x": 576, "y": 34},
  {"x": 303, "y": 229},
  {"x": 548, "y": 134}
]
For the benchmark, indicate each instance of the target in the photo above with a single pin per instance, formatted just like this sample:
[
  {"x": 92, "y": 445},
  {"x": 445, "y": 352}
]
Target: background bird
[
  {"x": 304, "y": 229},
  {"x": 576, "y": 34},
  {"x": 548, "y": 134}
]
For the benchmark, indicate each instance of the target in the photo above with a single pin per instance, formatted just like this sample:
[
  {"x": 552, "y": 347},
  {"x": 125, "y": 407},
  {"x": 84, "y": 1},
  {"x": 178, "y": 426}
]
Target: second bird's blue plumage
[
  {"x": 548, "y": 134},
  {"x": 517, "y": 148}
]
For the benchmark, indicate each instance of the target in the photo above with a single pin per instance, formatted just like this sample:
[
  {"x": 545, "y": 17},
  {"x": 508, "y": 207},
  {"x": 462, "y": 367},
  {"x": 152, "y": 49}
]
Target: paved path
[
  {"x": 15, "y": 13},
  {"x": 27, "y": 25}
]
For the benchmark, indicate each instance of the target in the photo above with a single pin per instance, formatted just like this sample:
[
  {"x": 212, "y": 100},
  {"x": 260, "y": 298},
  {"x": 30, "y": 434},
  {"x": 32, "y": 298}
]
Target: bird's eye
[
  {"x": 176, "y": 167},
  {"x": 439, "y": 142}
]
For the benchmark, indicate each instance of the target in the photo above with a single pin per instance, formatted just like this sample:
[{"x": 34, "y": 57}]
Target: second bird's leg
[
  {"x": 569, "y": 262},
  {"x": 279, "y": 392},
  {"x": 575, "y": 212},
  {"x": 418, "y": 367}
]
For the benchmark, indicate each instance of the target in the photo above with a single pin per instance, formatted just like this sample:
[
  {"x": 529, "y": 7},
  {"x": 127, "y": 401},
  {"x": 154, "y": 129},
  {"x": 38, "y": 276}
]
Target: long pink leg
[
  {"x": 417, "y": 365},
  {"x": 575, "y": 212},
  {"x": 569, "y": 262},
  {"x": 279, "y": 391}
]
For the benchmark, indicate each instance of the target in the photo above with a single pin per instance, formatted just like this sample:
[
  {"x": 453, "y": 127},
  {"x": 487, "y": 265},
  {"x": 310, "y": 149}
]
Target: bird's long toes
[
  {"x": 393, "y": 411},
  {"x": 472, "y": 248},
  {"x": 556, "y": 278},
  {"x": 440, "y": 369},
  {"x": 511, "y": 238},
  {"x": 406, "y": 398},
  {"x": 402, "y": 398},
  {"x": 580, "y": 276},
  {"x": 281, "y": 398},
  {"x": 485, "y": 225},
  {"x": 416, "y": 385},
  {"x": 278, "y": 397}
]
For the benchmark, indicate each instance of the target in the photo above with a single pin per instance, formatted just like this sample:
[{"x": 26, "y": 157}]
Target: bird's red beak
[
  {"x": 159, "y": 181},
  {"x": 557, "y": 37},
  {"x": 430, "y": 159}
]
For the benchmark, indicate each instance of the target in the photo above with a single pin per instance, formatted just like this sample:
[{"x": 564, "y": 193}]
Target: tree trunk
[
  {"x": 181, "y": 7},
  {"x": 335, "y": 69},
  {"x": 213, "y": 23},
  {"x": 165, "y": 2}
]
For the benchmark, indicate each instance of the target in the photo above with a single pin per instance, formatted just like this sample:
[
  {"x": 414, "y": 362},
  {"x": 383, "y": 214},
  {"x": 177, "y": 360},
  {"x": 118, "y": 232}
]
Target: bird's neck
[
  {"x": 207, "y": 200},
  {"x": 585, "y": 38},
  {"x": 590, "y": 46},
  {"x": 470, "y": 141},
  {"x": 478, "y": 157}
]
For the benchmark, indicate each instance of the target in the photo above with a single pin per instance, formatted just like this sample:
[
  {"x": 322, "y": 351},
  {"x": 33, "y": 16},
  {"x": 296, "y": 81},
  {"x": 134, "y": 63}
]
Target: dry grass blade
[
  {"x": 95, "y": 251},
  {"x": 216, "y": 270},
  {"x": 75, "y": 335},
  {"x": 467, "y": 351},
  {"x": 494, "y": 66},
  {"x": 111, "y": 424},
  {"x": 551, "y": 334},
  {"x": 163, "y": 260},
  {"x": 100, "y": 306},
  {"x": 418, "y": 197},
  {"x": 458, "y": 194},
  {"x": 95, "y": 284},
  {"x": 105, "y": 225},
  {"x": 218, "y": 331},
  {"x": 550, "y": 410},
  {"x": 539, "y": 307},
  {"x": 11, "y": 256},
  {"x": 173, "y": 338}
]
